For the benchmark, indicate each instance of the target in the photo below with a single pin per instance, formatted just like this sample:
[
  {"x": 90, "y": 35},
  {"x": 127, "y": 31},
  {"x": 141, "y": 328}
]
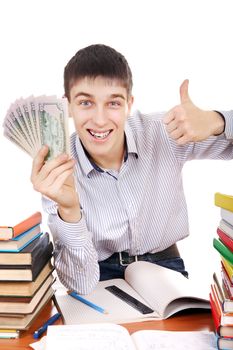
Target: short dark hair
[{"x": 97, "y": 60}]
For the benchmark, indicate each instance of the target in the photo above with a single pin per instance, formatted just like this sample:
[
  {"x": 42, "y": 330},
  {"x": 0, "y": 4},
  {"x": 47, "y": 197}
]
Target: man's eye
[
  {"x": 85, "y": 103},
  {"x": 114, "y": 103}
]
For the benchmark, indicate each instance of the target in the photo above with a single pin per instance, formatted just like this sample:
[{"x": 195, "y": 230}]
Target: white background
[{"x": 164, "y": 42}]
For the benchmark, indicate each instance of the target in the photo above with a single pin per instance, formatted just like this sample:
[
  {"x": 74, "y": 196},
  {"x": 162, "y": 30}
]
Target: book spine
[
  {"x": 225, "y": 239},
  {"x": 25, "y": 225},
  {"x": 226, "y": 228},
  {"x": 38, "y": 249},
  {"x": 42, "y": 260},
  {"x": 217, "y": 303},
  {"x": 215, "y": 315},
  {"x": 223, "y": 201},
  {"x": 226, "y": 270},
  {"x": 19, "y": 237},
  {"x": 223, "y": 250},
  {"x": 227, "y": 216}
]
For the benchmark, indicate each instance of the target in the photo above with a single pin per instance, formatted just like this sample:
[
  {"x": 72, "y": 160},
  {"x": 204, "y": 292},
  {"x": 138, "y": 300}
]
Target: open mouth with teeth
[{"x": 99, "y": 135}]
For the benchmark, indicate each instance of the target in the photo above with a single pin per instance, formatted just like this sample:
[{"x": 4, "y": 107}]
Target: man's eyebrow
[
  {"x": 82, "y": 94},
  {"x": 117, "y": 96}
]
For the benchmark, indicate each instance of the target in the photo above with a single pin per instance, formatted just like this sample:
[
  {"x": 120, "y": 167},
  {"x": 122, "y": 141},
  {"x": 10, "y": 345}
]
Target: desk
[{"x": 185, "y": 321}]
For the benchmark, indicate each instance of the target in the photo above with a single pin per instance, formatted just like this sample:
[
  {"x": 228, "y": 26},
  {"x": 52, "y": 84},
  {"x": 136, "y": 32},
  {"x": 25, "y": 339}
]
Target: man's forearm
[{"x": 70, "y": 214}]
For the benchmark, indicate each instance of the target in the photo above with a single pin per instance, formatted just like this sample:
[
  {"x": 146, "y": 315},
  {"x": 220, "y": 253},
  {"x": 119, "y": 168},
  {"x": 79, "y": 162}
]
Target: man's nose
[{"x": 100, "y": 117}]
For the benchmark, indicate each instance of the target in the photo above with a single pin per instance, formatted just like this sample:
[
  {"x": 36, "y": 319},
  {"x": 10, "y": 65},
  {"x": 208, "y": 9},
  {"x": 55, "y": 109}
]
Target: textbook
[
  {"x": 226, "y": 278},
  {"x": 228, "y": 241},
  {"x": 227, "y": 216},
  {"x": 222, "y": 294},
  {"x": 9, "y": 334},
  {"x": 9, "y": 232},
  {"x": 25, "y": 289},
  {"x": 220, "y": 318},
  {"x": 223, "y": 250},
  {"x": 20, "y": 307},
  {"x": 19, "y": 242},
  {"x": 223, "y": 201},
  {"x": 15, "y": 322},
  {"x": 163, "y": 290},
  {"x": 116, "y": 337},
  {"x": 221, "y": 330},
  {"x": 30, "y": 254},
  {"x": 24, "y": 272},
  {"x": 224, "y": 343},
  {"x": 226, "y": 227}
]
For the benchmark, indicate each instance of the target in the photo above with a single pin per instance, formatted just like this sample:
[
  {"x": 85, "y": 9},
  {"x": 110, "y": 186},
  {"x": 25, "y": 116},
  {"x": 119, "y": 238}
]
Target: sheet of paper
[
  {"x": 167, "y": 340},
  {"x": 88, "y": 337},
  {"x": 40, "y": 344}
]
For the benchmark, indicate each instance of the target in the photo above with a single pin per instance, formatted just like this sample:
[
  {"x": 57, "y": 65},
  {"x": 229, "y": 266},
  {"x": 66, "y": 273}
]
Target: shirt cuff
[
  {"x": 74, "y": 235},
  {"x": 228, "y": 116}
]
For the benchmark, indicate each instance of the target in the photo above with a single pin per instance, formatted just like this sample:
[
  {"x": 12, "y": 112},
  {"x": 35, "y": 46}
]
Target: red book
[
  {"x": 223, "y": 331},
  {"x": 215, "y": 314},
  {"x": 225, "y": 239},
  {"x": 9, "y": 232}
]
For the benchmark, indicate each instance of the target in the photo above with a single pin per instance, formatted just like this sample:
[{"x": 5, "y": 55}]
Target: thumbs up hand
[{"x": 188, "y": 123}]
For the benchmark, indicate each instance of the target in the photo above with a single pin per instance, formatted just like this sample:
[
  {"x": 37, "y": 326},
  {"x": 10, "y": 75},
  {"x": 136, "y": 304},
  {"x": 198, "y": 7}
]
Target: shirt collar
[
  {"x": 130, "y": 142},
  {"x": 87, "y": 165},
  {"x": 83, "y": 159}
]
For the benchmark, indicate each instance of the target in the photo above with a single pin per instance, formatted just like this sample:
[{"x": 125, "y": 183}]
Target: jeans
[{"x": 109, "y": 271}]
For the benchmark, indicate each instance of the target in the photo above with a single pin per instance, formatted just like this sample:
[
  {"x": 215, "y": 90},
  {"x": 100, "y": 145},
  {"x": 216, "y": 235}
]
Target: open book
[
  {"x": 163, "y": 290},
  {"x": 115, "y": 337}
]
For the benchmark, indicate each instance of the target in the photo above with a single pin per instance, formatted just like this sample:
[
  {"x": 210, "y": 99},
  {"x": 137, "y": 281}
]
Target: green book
[{"x": 223, "y": 250}]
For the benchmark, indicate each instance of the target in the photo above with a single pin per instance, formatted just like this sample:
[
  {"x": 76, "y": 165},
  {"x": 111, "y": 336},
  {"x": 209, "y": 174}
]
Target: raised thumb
[{"x": 184, "y": 94}]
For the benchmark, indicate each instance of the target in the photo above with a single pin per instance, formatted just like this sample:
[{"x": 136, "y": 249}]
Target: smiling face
[{"x": 100, "y": 107}]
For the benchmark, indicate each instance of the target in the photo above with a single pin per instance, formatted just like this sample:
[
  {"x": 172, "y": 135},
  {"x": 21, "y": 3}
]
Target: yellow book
[
  {"x": 224, "y": 201},
  {"x": 229, "y": 268},
  {"x": 9, "y": 333}
]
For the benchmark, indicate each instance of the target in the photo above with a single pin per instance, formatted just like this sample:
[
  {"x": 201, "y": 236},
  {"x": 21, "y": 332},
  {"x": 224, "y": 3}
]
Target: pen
[
  {"x": 87, "y": 302},
  {"x": 37, "y": 334}
]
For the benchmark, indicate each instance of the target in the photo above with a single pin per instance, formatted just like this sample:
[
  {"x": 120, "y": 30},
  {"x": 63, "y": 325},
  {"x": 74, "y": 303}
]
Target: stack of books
[
  {"x": 221, "y": 295},
  {"x": 25, "y": 274}
]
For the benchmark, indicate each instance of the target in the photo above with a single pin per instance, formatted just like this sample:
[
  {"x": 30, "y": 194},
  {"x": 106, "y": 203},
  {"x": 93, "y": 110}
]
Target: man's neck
[{"x": 111, "y": 162}]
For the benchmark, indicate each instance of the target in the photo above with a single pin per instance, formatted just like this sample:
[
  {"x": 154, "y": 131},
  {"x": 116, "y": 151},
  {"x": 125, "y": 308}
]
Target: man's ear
[
  {"x": 69, "y": 105},
  {"x": 69, "y": 110},
  {"x": 130, "y": 103}
]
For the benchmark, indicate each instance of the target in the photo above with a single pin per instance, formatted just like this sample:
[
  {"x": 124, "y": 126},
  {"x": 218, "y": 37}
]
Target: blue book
[
  {"x": 29, "y": 255},
  {"x": 19, "y": 242}
]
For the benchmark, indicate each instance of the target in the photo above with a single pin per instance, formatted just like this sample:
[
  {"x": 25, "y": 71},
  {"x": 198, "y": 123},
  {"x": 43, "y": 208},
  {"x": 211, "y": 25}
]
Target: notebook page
[
  {"x": 88, "y": 337},
  {"x": 118, "y": 311},
  {"x": 167, "y": 340},
  {"x": 160, "y": 286}
]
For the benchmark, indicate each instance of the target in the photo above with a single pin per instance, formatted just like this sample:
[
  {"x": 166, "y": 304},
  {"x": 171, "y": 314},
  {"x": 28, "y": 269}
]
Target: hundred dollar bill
[
  {"x": 24, "y": 123},
  {"x": 53, "y": 126},
  {"x": 36, "y": 121},
  {"x": 14, "y": 131}
]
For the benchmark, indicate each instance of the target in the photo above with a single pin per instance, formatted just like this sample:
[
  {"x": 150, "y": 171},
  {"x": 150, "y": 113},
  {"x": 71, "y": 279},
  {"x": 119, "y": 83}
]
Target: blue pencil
[{"x": 87, "y": 302}]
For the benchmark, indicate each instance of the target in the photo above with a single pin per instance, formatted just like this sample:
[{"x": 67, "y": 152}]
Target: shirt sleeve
[
  {"x": 215, "y": 147},
  {"x": 75, "y": 257},
  {"x": 228, "y": 116}
]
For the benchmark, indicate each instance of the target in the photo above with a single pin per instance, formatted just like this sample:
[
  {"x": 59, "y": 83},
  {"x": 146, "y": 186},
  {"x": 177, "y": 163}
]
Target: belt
[{"x": 124, "y": 259}]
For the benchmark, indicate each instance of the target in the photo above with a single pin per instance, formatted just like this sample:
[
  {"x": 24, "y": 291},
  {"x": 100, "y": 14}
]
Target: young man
[{"x": 120, "y": 197}]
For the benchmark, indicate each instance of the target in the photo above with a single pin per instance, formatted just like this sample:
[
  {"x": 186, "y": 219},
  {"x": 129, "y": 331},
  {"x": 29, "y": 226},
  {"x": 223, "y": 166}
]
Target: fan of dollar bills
[{"x": 36, "y": 121}]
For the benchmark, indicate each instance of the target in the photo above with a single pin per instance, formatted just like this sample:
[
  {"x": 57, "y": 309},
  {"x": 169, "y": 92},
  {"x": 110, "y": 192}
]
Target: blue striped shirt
[{"x": 139, "y": 209}]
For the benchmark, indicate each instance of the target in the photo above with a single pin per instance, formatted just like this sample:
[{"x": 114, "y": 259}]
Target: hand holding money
[
  {"x": 54, "y": 180},
  {"x": 36, "y": 121},
  {"x": 39, "y": 126}
]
